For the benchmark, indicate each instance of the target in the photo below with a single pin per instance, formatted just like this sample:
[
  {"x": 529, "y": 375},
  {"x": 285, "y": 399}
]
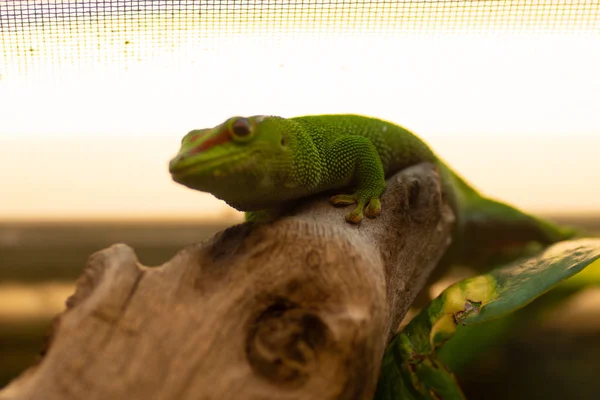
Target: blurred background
[{"x": 95, "y": 97}]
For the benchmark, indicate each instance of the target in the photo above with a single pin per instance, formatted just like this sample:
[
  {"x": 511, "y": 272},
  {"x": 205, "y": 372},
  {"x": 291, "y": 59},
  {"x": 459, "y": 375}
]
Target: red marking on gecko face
[
  {"x": 220, "y": 138},
  {"x": 195, "y": 138},
  {"x": 199, "y": 135}
]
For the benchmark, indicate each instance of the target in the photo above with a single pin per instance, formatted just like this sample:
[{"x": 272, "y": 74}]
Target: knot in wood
[{"x": 283, "y": 345}]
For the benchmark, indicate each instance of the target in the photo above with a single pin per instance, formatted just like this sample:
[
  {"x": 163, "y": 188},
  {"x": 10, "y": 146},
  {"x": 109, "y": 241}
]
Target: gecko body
[{"x": 262, "y": 164}]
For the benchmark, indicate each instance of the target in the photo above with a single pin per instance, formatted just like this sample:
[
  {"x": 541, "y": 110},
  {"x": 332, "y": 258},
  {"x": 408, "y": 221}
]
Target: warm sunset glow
[
  {"x": 21, "y": 302},
  {"x": 516, "y": 114}
]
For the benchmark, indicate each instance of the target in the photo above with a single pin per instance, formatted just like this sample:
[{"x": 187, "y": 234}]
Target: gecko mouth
[
  {"x": 215, "y": 167},
  {"x": 175, "y": 169},
  {"x": 182, "y": 171}
]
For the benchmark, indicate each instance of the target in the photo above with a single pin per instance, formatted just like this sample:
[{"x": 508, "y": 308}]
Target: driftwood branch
[{"x": 298, "y": 309}]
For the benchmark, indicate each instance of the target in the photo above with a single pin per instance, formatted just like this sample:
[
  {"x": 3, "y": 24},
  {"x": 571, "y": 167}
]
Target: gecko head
[{"x": 241, "y": 155}]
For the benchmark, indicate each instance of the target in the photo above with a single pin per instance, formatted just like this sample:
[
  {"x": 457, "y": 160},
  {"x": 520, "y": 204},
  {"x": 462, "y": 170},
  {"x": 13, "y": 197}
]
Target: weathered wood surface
[{"x": 298, "y": 309}]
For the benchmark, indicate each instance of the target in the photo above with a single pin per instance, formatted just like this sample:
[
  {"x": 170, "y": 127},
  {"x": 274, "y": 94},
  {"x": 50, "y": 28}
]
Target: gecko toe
[
  {"x": 343, "y": 199},
  {"x": 355, "y": 216},
  {"x": 373, "y": 208}
]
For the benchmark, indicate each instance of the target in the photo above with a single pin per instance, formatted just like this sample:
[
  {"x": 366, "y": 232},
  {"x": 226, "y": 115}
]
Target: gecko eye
[{"x": 241, "y": 127}]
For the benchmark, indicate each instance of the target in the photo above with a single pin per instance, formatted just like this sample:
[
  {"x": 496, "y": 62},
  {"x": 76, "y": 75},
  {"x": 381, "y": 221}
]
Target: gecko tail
[
  {"x": 492, "y": 226},
  {"x": 490, "y": 233}
]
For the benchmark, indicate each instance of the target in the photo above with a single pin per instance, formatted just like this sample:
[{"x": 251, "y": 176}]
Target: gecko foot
[{"x": 372, "y": 210}]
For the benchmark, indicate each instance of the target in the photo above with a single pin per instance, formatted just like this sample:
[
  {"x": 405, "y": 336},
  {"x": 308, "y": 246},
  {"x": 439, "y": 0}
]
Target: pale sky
[{"x": 519, "y": 117}]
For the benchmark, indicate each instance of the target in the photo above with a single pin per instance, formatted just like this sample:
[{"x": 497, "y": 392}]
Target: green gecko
[{"x": 262, "y": 164}]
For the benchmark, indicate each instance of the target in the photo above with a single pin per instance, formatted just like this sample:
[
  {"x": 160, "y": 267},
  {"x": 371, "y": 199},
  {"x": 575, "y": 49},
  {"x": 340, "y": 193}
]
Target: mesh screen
[{"x": 100, "y": 34}]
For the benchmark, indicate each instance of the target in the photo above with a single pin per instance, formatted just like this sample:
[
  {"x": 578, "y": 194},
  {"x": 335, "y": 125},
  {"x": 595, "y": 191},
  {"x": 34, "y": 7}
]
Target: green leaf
[
  {"x": 520, "y": 283},
  {"x": 472, "y": 341},
  {"x": 411, "y": 368}
]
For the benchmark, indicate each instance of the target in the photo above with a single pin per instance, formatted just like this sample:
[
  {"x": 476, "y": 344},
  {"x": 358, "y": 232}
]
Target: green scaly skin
[{"x": 261, "y": 164}]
